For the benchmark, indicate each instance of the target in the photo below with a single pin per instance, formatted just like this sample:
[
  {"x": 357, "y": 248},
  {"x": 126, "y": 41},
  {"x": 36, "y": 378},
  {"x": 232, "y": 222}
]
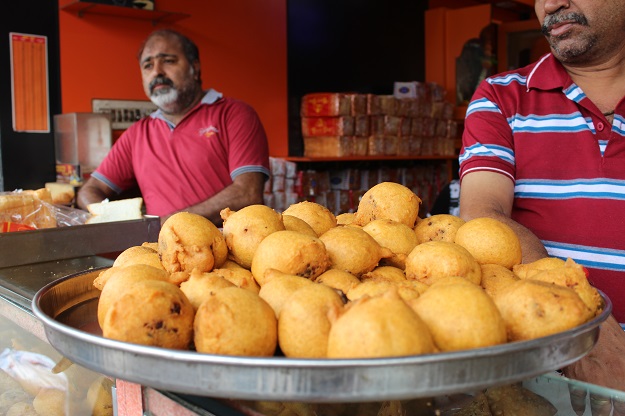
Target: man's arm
[
  {"x": 93, "y": 191},
  {"x": 491, "y": 194},
  {"x": 246, "y": 189}
]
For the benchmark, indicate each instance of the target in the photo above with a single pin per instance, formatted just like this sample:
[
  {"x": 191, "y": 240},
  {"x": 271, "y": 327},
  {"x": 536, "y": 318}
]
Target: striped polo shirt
[{"x": 567, "y": 162}]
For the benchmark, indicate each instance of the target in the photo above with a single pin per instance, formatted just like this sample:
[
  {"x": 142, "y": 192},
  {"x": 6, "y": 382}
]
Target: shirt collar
[{"x": 548, "y": 74}]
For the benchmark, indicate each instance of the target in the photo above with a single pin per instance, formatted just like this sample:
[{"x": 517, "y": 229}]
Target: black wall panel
[{"x": 27, "y": 159}]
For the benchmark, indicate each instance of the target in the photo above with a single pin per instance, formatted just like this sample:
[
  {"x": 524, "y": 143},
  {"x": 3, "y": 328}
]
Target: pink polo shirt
[{"x": 179, "y": 166}]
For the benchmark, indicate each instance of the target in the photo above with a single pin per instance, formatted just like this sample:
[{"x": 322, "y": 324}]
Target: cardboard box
[
  {"x": 327, "y": 126},
  {"x": 325, "y": 104},
  {"x": 328, "y": 146}
]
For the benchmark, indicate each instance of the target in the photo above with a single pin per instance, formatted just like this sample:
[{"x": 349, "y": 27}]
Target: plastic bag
[{"x": 33, "y": 371}]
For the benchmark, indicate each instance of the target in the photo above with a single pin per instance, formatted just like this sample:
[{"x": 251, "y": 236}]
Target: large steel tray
[{"x": 67, "y": 307}]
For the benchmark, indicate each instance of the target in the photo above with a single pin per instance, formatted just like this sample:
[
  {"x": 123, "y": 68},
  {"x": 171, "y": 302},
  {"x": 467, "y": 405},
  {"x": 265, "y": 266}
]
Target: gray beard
[{"x": 166, "y": 100}]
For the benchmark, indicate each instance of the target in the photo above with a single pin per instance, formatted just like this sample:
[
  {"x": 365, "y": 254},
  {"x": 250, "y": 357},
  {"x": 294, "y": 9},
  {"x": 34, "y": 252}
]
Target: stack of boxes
[
  {"x": 341, "y": 189},
  {"x": 417, "y": 123}
]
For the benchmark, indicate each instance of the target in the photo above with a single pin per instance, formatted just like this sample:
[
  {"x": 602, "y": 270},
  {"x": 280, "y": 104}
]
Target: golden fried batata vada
[
  {"x": 100, "y": 396},
  {"x": 151, "y": 312},
  {"x": 189, "y": 241},
  {"x": 297, "y": 224},
  {"x": 490, "y": 241},
  {"x": 377, "y": 287},
  {"x": 573, "y": 276},
  {"x": 390, "y": 273},
  {"x": 396, "y": 236},
  {"x": 380, "y": 326},
  {"x": 120, "y": 279},
  {"x": 316, "y": 215},
  {"x": 345, "y": 218},
  {"x": 151, "y": 244},
  {"x": 303, "y": 323},
  {"x": 290, "y": 252},
  {"x": 388, "y": 200},
  {"x": 240, "y": 277},
  {"x": 201, "y": 285},
  {"x": 439, "y": 227},
  {"x": 527, "y": 270},
  {"x": 460, "y": 315},
  {"x": 433, "y": 260},
  {"x": 495, "y": 277},
  {"x": 244, "y": 229},
  {"x": 50, "y": 402},
  {"x": 139, "y": 255},
  {"x": 534, "y": 309},
  {"x": 353, "y": 250},
  {"x": 235, "y": 321},
  {"x": 279, "y": 287},
  {"x": 338, "y": 279}
]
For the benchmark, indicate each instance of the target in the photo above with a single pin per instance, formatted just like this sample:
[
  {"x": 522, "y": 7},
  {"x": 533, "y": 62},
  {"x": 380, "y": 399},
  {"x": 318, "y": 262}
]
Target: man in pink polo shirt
[
  {"x": 544, "y": 151},
  {"x": 199, "y": 152}
]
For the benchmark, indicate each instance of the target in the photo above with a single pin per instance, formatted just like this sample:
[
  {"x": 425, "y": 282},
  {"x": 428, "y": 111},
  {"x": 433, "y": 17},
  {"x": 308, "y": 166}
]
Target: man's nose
[{"x": 552, "y": 6}]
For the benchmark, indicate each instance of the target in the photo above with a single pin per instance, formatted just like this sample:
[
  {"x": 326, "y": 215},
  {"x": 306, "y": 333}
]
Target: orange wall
[{"x": 242, "y": 50}]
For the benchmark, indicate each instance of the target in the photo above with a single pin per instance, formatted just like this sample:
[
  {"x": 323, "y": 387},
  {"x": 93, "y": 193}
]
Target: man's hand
[
  {"x": 93, "y": 191},
  {"x": 605, "y": 364}
]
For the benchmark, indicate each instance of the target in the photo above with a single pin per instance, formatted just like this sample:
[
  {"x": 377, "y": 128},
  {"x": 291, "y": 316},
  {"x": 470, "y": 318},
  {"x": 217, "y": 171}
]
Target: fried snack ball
[
  {"x": 151, "y": 312},
  {"x": 388, "y": 200},
  {"x": 439, "y": 227},
  {"x": 7, "y": 382},
  {"x": 279, "y": 287},
  {"x": 241, "y": 277},
  {"x": 201, "y": 285},
  {"x": 377, "y": 287},
  {"x": 189, "y": 241},
  {"x": 50, "y": 402},
  {"x": 338, "y": 279},
  {"x": 303, "y": 323},
  {"x": 495, "y": 277},
  {"x": 100, "y": 397},
  {"x": 353, "y": 250},
  {"x": 390, "y": 273},
  {"x": 138, "y": 255},
  {"x": 396, "y": 236},
  {"x": 130, "y": 256},
  {"x": 433, "y": 260},
  {"x": 527, "y": 270},
  {"x": 534, "y": 309},
  {"x": 573, "y": 276},
  {"x": 22, "y": 409},
  {"x": 345, "y": 218},
  {"x": 235, "y": 321},
  {"x": 290, "y": 252},
  {"x": 316, "y": 215},
  {"x": 121, "y": 278},
  {"x": 297, "y": 224},
  {"x": 153, "y": 245},
  {"x": 11, "y": 396},
  {"x": 244, "y": 229},
  {"x": 460, "y": 316},
  {"x": 490, "y": 241},
  {"x": 380, "y": 326}
]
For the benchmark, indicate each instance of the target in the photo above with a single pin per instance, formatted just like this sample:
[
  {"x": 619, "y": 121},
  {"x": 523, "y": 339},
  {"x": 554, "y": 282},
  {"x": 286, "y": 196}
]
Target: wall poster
[{"x": 29, "y": 83}]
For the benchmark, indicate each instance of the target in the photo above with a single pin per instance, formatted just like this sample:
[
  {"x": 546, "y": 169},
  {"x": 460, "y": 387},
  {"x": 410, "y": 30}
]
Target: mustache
[
  {"x": 554, "y": 19},
  {"x": 160, "y": 80}
]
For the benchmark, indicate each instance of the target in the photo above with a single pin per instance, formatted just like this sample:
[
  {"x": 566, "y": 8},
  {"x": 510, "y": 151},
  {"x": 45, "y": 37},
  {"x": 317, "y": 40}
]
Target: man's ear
[{"x": 197, "y": 70}]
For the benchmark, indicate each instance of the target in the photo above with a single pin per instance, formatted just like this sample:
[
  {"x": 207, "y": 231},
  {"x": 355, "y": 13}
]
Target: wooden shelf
[
  {"x": 82, "y": 8},
  {"x": 366, "y": 158}
]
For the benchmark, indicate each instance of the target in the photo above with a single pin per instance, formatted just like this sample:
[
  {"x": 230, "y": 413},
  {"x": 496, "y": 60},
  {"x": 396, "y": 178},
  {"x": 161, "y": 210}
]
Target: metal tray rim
[{"x": 274, "y": 365}]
